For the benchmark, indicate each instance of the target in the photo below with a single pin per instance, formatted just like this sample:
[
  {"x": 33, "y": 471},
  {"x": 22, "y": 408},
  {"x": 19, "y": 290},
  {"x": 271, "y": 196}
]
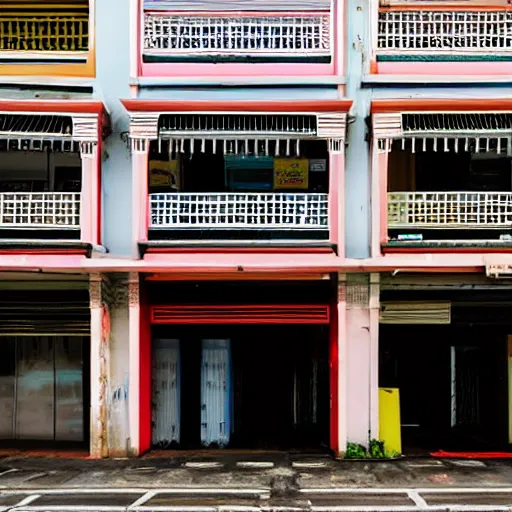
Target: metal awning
[
  {"x": 420, "y": 126},
  {"x": 458, "y": 124},
  {"x": 237, "y": 133},
  {"x": 259, "y": 127},
  {"x": 237, "y": 125}
]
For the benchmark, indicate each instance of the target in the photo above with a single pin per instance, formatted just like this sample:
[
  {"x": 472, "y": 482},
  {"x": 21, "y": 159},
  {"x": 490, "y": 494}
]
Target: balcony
[
  {"x": 41, "y": 211},
  {"x": 423, "y": 35},
  {"x": 449, "y": 192},
  {"x": 240, "y": 211},
  {"x": 53, "y": 34},
  {"x": 206, "y": 37},
  {"x": 239, "y": 191},
  {"x": 256, "y": 37}
]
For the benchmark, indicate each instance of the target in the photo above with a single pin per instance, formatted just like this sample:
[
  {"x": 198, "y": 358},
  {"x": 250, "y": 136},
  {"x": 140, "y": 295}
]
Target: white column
[
  {"x": 140, "y": 199},
  {"x": 359, "y": 359},
  {"x": 336, "y": 194},
  {"x": 90, "y": 194},
  {"x": 134, "y": 365},
  {"x": 100, "y": 333},
  {"x": 342, "y": 364}
]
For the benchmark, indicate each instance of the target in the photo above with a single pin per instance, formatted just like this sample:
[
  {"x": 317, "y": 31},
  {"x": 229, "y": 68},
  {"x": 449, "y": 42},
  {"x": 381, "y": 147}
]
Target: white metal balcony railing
[
  {"x": 449, "y": 210},
  {"x": 424, "y": 32},
  {"x": 229, "y": 35},
  {"x": 239, "y": 211},
  {"x": 40, "y": 210}
]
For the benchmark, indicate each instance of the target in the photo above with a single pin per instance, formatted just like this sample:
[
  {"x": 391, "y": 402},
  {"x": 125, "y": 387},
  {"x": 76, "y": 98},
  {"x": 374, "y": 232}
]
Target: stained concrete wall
[{"x": 113, "y": 40}]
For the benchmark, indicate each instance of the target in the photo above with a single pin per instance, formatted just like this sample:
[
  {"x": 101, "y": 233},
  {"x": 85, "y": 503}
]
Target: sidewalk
[{"x": 236, "y": 482}]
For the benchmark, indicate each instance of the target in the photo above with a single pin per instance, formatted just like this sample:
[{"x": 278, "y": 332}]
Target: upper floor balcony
[
  {"x": 444, "y": 176},
  {"x": 41, "y": 38},
  {"x": 49, "y": 175},
  {"x": 239, "y": 38},
  {"x": 467, "y": 38},
  {"x": 247, "y": 174}
]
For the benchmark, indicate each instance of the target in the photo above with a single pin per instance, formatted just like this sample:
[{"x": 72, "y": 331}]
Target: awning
[
  {"x": 180, "y": 123},
  {"x": 444, "y": 125},
  {"x": 35, "y": 124}
]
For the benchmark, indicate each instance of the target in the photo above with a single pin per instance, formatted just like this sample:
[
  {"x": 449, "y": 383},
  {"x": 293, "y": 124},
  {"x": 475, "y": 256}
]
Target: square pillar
[
  {"x": 140, "y": 198},
  {"x": 380, "y": 152},
  {"x": 134, "y": 317},
  {"x": 90, "y": 197},
  {"x": 358, "y": 318},
  {"x": 336, "y": 194},
  {"x": 139, "y": 401},
  {"x": 100, "y": 361}
]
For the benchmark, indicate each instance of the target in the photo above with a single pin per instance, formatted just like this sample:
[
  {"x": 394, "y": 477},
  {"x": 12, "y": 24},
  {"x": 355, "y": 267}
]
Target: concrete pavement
[{"x": 252, "y": 484}]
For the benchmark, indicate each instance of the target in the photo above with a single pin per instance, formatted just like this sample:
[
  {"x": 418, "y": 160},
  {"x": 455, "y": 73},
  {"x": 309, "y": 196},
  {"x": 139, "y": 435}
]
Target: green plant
[
  {"x": 356, "y": 451},
  {"x": 376, "y": 449}
]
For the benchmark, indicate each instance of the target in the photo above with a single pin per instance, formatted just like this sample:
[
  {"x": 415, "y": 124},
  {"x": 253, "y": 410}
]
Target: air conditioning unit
[{"x": 415, "y": 313}]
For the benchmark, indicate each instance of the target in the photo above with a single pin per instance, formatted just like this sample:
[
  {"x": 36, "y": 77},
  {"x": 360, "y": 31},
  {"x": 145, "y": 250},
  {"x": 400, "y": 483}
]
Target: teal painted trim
[
  {"x": 204, "y": 59},
  {"x": 444, "y": 58}
]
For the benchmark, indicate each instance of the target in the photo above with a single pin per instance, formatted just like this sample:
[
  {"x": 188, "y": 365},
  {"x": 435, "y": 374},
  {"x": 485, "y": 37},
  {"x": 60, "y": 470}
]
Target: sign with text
[
  {"x": 164, "y": 174},
  {"x": 291, "y": 173}
]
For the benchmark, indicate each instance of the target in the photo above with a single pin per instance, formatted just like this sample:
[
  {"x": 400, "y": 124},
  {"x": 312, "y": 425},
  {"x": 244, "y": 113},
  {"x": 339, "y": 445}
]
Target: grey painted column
[
  {"x": 112, "y": 84},
  {"x": 357, "y": 169}
]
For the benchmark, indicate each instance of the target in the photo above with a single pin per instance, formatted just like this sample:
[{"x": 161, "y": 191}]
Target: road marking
[
  {"x": 417, "y": 499},
  {"x": 12, "y": 470},
  {"x": 254, "y": 464},
  {"x": 143, "y": 499},
  {"x": 28, "y": 500}
]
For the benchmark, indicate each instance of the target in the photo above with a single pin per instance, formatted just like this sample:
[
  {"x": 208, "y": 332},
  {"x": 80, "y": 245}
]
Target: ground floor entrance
[
  {"x": 257, "y": 387},
  {"x": 44, "y": 368},
  {"x": 231, "y": 374},
  {"x": 452, "y": 373}
]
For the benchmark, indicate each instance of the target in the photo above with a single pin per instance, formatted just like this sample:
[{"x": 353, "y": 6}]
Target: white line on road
[{"x": 418, "y": 500}]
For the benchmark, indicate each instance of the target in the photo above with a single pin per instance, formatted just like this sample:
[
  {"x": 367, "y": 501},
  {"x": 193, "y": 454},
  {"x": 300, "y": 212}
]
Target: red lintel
[
  {"x": 138, "y": 105},
  {"x": 60, "y": 106},
  {"x": 442, "y": 104}
]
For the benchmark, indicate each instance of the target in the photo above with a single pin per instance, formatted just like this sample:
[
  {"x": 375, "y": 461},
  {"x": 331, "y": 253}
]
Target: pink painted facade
[
  {"x": 440, "y": 39},
  {"x": 322, "y": 56}
]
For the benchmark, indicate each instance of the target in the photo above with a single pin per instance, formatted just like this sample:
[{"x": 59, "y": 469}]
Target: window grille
[
  {"x": 238, "y": 125},
  {"x": 28, "y": 28},
  {"x": 464, "y": 123},
  {"x": 243, "y": 35},
  {"x": 14, "y": 125},
  {"x": 40, "y": 210},
  {"x": 429, "y": 31},
  {"x": 450, "y": 210},
  {"x": 239, "y": 210}
]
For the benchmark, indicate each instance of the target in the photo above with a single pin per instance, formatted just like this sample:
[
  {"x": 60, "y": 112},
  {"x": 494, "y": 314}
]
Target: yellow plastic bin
[{"x": 389, "y": 420}]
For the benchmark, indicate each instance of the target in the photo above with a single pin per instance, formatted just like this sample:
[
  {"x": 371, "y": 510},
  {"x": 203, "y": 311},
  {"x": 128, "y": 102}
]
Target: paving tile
[
  {"x": 349, "y": 499},
  {"x": 87, "y": 499},
  {"x": 470, "y": 498}
]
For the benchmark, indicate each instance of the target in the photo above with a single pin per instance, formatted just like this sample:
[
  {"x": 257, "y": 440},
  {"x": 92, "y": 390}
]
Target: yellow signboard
[
  {"x": 164, "y": 174},
  {"x": 291, "y": 173}
]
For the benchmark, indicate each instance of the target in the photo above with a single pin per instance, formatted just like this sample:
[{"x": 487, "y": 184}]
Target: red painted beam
[
  {"x": 138, "y": 105},
  {"x": 54, "y": 106},
  {"x": 442, "y": 105}
]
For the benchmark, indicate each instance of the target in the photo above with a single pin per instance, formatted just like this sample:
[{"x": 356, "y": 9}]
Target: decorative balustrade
[
  {"x": 237, "y": 35},
  {"x": 239, "y": 211},
  {"x": 44, "y": 29},
  {"x": 39, "y": 210},
  {"x": 449, "y": 210},
  {"x": 403, "y": 32}
]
